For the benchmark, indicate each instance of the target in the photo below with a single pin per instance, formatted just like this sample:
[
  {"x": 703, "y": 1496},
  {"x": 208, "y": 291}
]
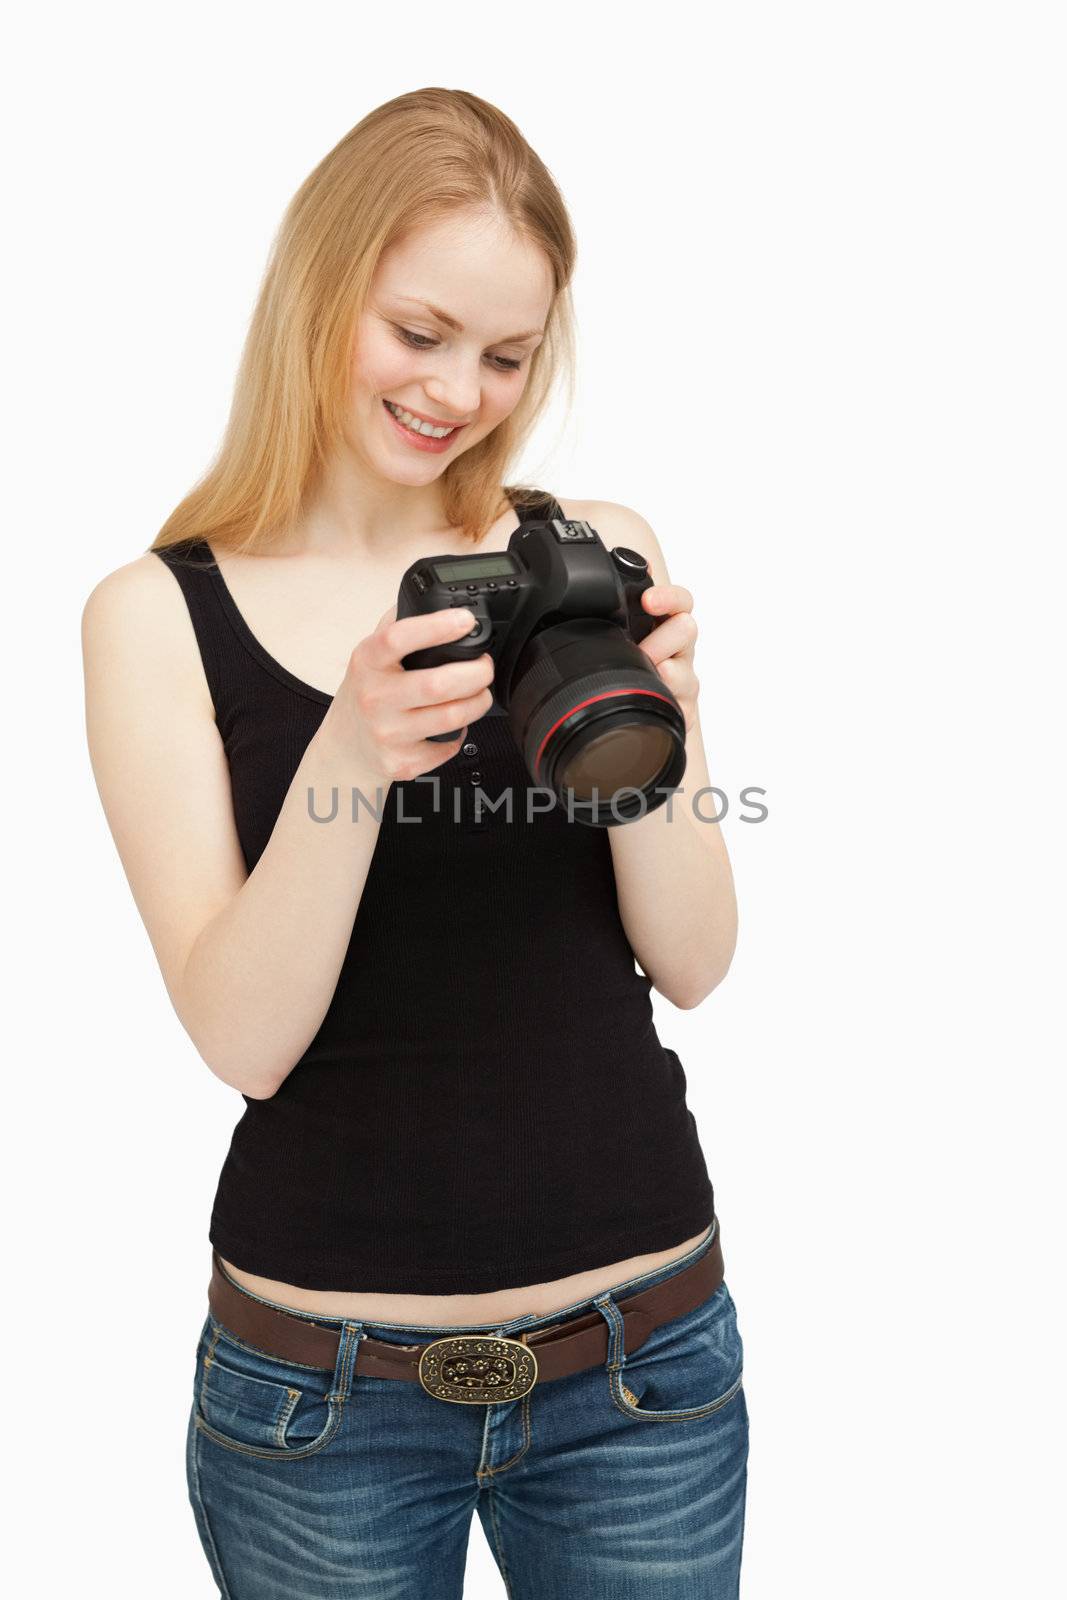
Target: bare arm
[
  {"x": 675, "y": 889},
  {"x": 250, "y": 960},
  {"x": 673, "y": 878}
]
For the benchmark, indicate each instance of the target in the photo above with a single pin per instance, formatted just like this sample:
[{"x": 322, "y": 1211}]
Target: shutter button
[{"x": 470, "y": 749}]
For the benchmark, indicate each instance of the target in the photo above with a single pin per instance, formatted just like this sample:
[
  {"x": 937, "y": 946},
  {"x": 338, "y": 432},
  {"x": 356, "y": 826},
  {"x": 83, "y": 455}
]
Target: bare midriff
[{"x": 498, "y": 1305}]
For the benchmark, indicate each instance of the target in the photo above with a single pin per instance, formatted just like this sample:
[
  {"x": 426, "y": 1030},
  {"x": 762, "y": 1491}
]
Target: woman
[{"x": 458, "y": 1118}]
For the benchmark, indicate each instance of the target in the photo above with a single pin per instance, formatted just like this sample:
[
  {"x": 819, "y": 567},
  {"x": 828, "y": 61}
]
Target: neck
[{"x": 352, "y": 511}]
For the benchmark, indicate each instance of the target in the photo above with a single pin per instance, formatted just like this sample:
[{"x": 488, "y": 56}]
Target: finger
[
  {"x": 671, "y": 638},
  {"x": 441, "y": 718},
  {"x": 663, "y": 597},
  {"x": 452, "y": 680},
  {"x": 677, "y": 673},
  {"x": 400, "y": 636}
]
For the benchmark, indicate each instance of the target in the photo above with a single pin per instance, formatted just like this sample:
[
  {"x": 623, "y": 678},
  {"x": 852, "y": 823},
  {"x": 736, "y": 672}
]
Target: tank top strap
[{"x": 197, "y": 572}]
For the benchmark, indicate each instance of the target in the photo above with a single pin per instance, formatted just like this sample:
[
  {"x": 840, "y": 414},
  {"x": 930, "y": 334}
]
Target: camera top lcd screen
[{"x": 470, "y": 567}]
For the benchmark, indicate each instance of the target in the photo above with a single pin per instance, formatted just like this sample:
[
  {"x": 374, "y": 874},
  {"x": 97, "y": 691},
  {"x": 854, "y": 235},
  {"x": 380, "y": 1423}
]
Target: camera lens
[
  {"x": 596, "y": 723},
  {"x": 626, "y": 755}
]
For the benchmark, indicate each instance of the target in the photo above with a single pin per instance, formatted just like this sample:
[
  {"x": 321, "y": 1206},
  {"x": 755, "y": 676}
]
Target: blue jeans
[{"x": 623, "y": 1482}]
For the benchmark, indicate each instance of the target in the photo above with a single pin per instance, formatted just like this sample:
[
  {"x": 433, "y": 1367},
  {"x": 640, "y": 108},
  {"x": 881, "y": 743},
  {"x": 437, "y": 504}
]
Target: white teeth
[{"x": 416, "y": 426}]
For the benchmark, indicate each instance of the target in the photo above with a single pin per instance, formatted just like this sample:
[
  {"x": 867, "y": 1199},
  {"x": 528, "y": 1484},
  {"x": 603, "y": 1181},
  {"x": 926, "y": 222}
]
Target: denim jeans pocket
[
  {"x": 687, "y": 1368},
  {"x": 258, "y": 1404}
]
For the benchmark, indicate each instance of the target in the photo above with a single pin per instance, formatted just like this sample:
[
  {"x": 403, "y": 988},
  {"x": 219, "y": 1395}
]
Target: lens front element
[{"x": 624, "y": 755}]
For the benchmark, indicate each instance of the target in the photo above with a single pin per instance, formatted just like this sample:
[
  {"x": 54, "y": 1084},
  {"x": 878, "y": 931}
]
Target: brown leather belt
[{"x": 470, "y": 1367}]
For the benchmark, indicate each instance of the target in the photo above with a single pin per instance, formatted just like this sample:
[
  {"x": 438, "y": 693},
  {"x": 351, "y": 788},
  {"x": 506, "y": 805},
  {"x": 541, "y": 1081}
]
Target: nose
[{"x": 455, "y": 389}]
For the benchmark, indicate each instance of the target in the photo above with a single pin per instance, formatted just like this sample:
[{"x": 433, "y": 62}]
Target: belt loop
[
  {"x": 616, "y": 1358},
  {"x": 345, "y": 1366}
]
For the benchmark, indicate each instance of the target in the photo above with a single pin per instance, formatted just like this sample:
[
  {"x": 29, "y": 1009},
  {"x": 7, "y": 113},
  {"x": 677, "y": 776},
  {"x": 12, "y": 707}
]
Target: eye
[{"x": 419, "y": 341}]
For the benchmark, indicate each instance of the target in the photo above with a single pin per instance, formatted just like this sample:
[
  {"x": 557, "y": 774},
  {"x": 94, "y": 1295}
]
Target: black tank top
[{"x": 486, "y": 1103}]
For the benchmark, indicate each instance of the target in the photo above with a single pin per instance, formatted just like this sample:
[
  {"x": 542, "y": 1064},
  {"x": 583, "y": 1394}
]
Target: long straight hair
[{"x": 414, "y": 159}]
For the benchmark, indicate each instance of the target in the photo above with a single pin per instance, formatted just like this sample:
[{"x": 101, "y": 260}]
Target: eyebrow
[{"x": 457, "y": 327}]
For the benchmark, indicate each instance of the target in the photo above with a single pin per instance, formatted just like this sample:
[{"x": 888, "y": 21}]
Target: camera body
[
  {"x": 551, "y": 572},
  {"x": 561, "y": 616}
]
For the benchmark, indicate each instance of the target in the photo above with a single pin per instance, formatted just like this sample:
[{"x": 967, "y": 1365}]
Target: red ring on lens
[{"x": 608, "y": 694}]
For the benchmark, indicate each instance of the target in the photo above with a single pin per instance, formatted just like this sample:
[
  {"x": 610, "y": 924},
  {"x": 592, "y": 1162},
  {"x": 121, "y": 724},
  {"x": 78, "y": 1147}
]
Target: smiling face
[{"x": 465, "y": 362}]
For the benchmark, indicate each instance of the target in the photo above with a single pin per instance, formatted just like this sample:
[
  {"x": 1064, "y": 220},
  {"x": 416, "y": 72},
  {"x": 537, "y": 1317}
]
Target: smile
[{"x": 415, "y": 424}]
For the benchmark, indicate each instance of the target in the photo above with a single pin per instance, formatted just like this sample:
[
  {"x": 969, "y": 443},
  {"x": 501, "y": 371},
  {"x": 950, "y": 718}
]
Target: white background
[{"x": 821, "y": 295}]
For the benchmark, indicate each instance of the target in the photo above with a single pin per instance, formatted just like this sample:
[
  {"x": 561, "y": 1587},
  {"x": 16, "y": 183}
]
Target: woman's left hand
[{"x": 670, "y": 646}]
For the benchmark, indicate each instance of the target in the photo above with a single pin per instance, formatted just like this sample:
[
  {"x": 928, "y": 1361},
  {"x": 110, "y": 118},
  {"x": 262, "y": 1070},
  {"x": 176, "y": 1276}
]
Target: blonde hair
[{"x": 414, "y": 159}]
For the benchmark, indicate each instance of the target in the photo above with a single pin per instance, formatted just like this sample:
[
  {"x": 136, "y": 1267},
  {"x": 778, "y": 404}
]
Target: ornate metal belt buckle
[{"x": 473, "y": 1368}]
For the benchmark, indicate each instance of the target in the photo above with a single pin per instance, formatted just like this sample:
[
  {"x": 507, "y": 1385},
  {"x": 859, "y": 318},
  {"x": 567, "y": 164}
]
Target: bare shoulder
[
  {"x": 140, "y": 586},
  {"x": 618, "y": 524},
  {"x": 135, "y": 619}
]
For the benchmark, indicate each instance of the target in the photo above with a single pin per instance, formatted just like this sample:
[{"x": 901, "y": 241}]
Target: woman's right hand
[{"x": 382, "y": 712}]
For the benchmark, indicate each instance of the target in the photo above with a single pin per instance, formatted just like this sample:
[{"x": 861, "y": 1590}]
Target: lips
[{"x": 422, "y": 441}]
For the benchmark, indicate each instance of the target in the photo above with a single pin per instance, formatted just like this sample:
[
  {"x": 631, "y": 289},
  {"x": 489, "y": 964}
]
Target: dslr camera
[{"x": 561, "y": 616}]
